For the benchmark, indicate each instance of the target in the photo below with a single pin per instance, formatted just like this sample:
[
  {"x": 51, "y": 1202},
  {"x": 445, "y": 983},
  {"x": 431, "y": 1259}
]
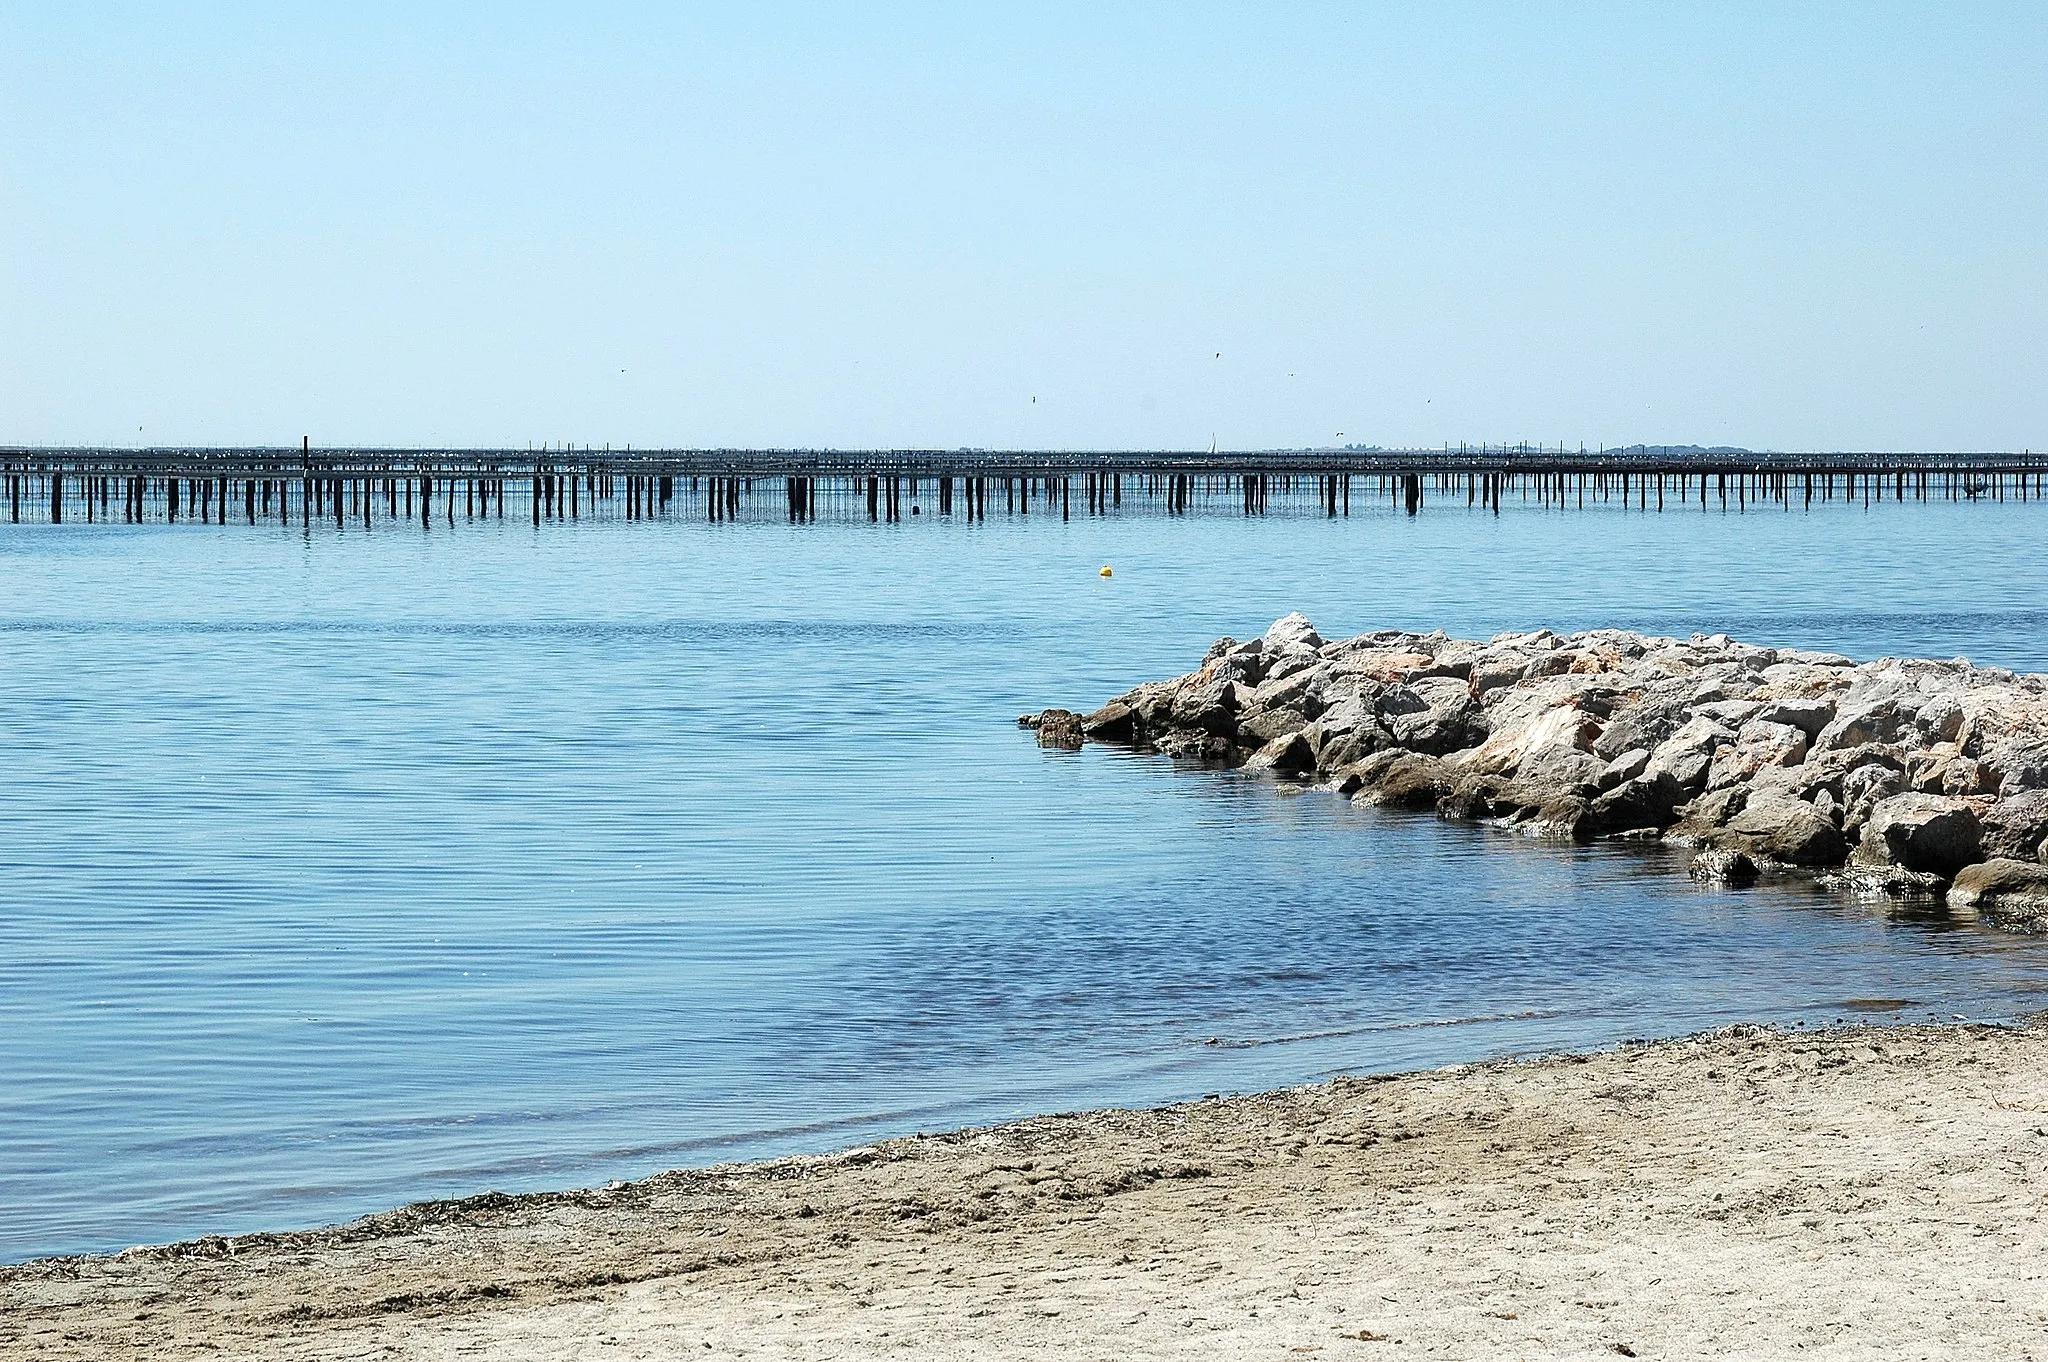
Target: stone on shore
[
  {"x": 2016, "y": 829},
  {"x": 1790, "y": 831},
  {"x": 1406, "y": 781},
  {"x": 2007, "y": 886},
  {"x": 1293, "y": 629},
  {"x": 1114, "y": 722},
  {"x": 1930, "y": 834},
  {"x": 1647, "y": 801},
  {"x": 1289, "y": 754}
]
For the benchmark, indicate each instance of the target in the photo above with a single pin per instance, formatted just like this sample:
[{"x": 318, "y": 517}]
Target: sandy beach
[{"x": 1860, "y": 1192}]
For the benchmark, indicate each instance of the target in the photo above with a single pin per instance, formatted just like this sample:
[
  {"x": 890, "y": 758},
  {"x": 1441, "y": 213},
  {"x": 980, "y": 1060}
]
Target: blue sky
[{"x": 1785, "y": 225}]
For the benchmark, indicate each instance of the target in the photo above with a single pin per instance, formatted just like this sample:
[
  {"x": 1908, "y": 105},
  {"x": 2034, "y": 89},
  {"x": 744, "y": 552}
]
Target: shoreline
[{"x": 1860, "y": 1191}]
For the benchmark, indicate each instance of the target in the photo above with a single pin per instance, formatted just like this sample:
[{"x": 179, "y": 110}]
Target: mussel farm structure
[{"x": 305, "y": 486}]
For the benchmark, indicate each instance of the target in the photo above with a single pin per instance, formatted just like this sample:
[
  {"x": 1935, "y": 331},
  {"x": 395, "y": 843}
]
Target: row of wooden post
[{"x": 344, "y": 497}]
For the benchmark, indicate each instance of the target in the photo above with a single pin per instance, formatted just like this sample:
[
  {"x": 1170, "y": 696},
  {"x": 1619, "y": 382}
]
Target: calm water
[{"x": 345, "y": 870}]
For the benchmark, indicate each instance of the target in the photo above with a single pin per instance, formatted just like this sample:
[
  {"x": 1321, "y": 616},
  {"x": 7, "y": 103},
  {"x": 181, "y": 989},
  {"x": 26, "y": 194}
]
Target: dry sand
[{"x": 1853, "y": 1193}]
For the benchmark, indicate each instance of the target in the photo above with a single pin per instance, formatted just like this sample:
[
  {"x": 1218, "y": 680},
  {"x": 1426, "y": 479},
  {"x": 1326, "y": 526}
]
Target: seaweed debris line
[{"x": 1895, "y": 777}]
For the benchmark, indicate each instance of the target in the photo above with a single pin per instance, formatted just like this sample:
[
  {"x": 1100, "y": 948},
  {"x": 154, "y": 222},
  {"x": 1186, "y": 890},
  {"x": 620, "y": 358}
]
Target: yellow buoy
[{"x": 1105, "y": 571}]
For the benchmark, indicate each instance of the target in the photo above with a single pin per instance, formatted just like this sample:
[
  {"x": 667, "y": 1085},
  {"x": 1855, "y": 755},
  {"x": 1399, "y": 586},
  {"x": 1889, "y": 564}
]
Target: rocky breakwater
[{"x": 1897, "y": 776}]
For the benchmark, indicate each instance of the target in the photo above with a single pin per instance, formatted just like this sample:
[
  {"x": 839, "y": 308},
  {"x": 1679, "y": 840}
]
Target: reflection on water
[{"x": 346, "y": 869}]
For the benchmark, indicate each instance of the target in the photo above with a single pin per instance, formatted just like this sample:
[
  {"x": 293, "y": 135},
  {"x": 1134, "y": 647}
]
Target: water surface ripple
[{"x": 349, "y": 868}]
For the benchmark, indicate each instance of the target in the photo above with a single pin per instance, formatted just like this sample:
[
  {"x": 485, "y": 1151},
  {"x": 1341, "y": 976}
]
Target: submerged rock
[
  {"x": 1883, "y": 881},
  {"x": 1720, "y": 866},
  {"x": 1059, "y": 728}
]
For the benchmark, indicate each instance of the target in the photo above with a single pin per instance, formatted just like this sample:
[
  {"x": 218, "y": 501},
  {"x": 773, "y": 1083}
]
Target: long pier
[{"x": 366, "y": 486}]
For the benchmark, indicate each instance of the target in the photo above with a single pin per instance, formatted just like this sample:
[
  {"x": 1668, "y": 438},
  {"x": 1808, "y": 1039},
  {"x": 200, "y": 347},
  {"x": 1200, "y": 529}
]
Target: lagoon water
[{"x": 355, "y": 867}]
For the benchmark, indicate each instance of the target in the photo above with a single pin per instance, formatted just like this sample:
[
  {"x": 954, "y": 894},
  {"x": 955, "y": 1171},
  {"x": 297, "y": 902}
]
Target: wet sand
[{"x": 1864, "y": 1192}]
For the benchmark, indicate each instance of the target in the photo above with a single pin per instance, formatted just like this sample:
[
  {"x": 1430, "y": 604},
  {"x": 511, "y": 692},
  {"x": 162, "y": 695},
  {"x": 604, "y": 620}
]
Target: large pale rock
[
  {"x": 1336, "y": 749},
  {"x": 1864, "y": 787},
  {"x": 1566, "y": 818},
  {"x": 2020, "y": 763},
  {"x": 1560, "y": 769},
  {"x": 1497, "y": 668},
  {"x": 1433, "y": 715},
  {"x": 1943, "y": 769},
  {"x": 1293, "y": 628},
  {"x": 1868, "y": 880},
  {"x": 2016, "y": 829},
  {"x": 1114, "y": 722},
  {"x": 1336, "y": 683},
  {"x": 1515, "y": 731},
  {"x": 1474, "y": 795},
  {"x": 1758, "y": 744},
  {"x": 1290, "y": 754},
  {"x": 1286, "y": 691},
  {"x": 1830, "y": 770},
  {"x": 1405, "y": 781},
  {"x": 1966, "y": 776},
  {"x": 1787, "y": 830},
  {"x": 1939, "y": 720},
  {"x": 1263, "y": 725},
  {"x": 1348, "y": 716},
  {"x": 1689, "y": 769},
  {"x": 1871, "y": 721},
  {"x": 1152, "y": 703},
  {"x": 1212, "y": 708},
  {"x": 1385, "y": 669},
  {"x": 1687, "y": 754},
  {"x": 1730, "y": 714},
  {"x": 1930, "y": 834},
  {"x": 1244, "y": 663},
  {"x": 1711, "y": 811},
  {"x": 1808, "y": 715},
  {"x": 1645, "y": 801},
  {"x": 1288, "y": 659},
  {"x": 1627, "y": 766},
  {"x": 1193, "y": 744},
  {"x": 1646, "y": 718},
  {"x": 1701, "y": 733}
]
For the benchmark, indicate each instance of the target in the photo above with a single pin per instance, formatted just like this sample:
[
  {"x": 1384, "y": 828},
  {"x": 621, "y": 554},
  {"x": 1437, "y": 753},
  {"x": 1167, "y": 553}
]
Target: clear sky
[{"x": 1777, "y": 225}]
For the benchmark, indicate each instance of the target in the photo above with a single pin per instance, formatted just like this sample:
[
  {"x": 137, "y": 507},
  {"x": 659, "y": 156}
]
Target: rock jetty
[{"x": 1899, "y": 776}]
